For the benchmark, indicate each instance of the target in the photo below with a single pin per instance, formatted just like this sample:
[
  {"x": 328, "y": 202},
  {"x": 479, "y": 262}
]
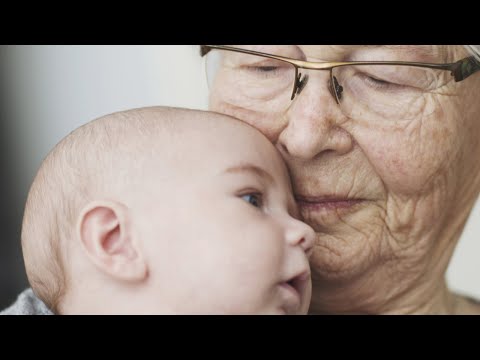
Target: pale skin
[
  {"x": 388, "y": 201},
  {"x": 204, "y": 223}
]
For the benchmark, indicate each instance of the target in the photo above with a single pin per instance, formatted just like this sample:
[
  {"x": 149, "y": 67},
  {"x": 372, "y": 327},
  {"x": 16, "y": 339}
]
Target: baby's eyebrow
[{"x": 250, "y": 168}]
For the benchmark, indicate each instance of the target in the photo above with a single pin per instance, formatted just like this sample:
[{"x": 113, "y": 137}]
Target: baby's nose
[{"x": 301, "y": 234}]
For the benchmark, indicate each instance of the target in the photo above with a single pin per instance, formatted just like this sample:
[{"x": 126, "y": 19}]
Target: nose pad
[
  {"x": 300, "y": 83},
  {"x": 336, "y": 89}
]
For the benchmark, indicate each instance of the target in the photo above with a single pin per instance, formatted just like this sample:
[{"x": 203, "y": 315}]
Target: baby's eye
[{"x": 254, "y": 199}]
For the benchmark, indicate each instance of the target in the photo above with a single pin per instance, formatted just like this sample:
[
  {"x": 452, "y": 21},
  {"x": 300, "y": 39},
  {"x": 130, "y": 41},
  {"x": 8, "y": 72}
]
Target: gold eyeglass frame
[{"x": 460, "y": 70}]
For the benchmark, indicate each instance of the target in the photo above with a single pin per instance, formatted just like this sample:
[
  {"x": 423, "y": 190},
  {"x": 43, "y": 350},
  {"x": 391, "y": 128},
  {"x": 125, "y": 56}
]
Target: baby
[{"x": 166, "y": 211}]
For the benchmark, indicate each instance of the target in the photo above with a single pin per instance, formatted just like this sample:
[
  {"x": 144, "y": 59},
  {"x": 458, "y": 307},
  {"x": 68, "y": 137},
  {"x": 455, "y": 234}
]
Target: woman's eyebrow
[
  {"x": 252, "y": 169},
  {"x": 416, "y": 49},
  {"x": 332, "y": 52}
]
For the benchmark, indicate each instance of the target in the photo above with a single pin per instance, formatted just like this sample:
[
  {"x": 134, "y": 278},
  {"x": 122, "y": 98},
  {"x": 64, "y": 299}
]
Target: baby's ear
[{"x": 104, "y": 229}]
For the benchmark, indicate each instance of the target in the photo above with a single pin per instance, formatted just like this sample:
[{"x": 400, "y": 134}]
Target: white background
[{"x": 51, "y": 90}]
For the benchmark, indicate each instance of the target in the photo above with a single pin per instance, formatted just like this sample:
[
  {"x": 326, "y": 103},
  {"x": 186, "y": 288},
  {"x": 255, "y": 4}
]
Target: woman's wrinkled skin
[{"x": 408, "y": 186}]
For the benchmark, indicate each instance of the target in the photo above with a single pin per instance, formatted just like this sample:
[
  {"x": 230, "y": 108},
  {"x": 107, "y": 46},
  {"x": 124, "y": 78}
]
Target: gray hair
[{"x": 474, "y": 50}]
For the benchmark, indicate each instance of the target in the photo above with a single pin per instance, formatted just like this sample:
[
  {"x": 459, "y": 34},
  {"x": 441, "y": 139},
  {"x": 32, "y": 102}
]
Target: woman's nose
[
  {"x": 300, "y": 234},
  {"x": 314, "y": 123}
]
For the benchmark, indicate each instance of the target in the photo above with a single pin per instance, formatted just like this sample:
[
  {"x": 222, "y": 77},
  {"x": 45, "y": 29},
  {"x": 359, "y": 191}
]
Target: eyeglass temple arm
[
  {"x": 464, "y": 68},
  {"x": 204, "y": 50}
]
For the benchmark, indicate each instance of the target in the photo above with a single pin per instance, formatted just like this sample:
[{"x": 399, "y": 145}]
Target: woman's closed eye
[
  {"x": 255, "y": 199},
  {"x": 266, "y": 68},
  {"x": 379, "y": 84},
  {"x": 267, "y": 71}
]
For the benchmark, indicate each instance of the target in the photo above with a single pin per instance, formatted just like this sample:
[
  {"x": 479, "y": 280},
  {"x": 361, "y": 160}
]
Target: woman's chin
[{"x": 341, "y": 256}]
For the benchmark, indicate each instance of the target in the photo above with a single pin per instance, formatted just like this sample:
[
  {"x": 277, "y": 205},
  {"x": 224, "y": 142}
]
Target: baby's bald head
[{"x": 103, "y": 159}]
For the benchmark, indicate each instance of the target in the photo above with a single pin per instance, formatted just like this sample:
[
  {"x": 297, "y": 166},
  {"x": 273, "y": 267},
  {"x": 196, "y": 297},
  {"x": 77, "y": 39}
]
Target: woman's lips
[{"x": 326, "y": 203}]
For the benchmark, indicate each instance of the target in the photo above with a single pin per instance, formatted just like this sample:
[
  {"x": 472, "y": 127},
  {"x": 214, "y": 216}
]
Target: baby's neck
[{"x": 112, "y": 300}]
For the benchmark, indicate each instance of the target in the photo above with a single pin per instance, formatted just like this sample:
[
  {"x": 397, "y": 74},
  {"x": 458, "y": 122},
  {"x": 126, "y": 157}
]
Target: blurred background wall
[{"x": 47, "y": 91}]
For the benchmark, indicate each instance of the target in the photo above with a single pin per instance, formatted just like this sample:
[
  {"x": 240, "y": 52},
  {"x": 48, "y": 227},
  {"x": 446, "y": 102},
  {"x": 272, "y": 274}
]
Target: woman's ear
[{"x": 104, "y": 229}]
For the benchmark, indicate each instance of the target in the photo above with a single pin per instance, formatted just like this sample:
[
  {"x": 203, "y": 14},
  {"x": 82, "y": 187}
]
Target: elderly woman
[{"x": 383, "y": 145}]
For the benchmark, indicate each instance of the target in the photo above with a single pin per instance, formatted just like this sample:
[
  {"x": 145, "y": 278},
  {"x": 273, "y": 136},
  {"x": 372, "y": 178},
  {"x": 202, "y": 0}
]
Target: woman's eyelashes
[{"x": 255, "y": 199}]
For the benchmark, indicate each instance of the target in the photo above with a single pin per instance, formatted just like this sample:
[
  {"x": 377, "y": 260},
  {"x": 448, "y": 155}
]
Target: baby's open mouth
[{"x": 294, "y": 290}]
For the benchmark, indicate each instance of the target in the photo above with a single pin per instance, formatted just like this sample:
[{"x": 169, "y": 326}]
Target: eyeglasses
[{"x": 268, "y": 83}]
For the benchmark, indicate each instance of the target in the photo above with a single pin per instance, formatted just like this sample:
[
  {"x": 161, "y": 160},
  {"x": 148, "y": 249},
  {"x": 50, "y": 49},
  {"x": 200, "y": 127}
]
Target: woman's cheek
[{"x": 404, "y": 167}]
